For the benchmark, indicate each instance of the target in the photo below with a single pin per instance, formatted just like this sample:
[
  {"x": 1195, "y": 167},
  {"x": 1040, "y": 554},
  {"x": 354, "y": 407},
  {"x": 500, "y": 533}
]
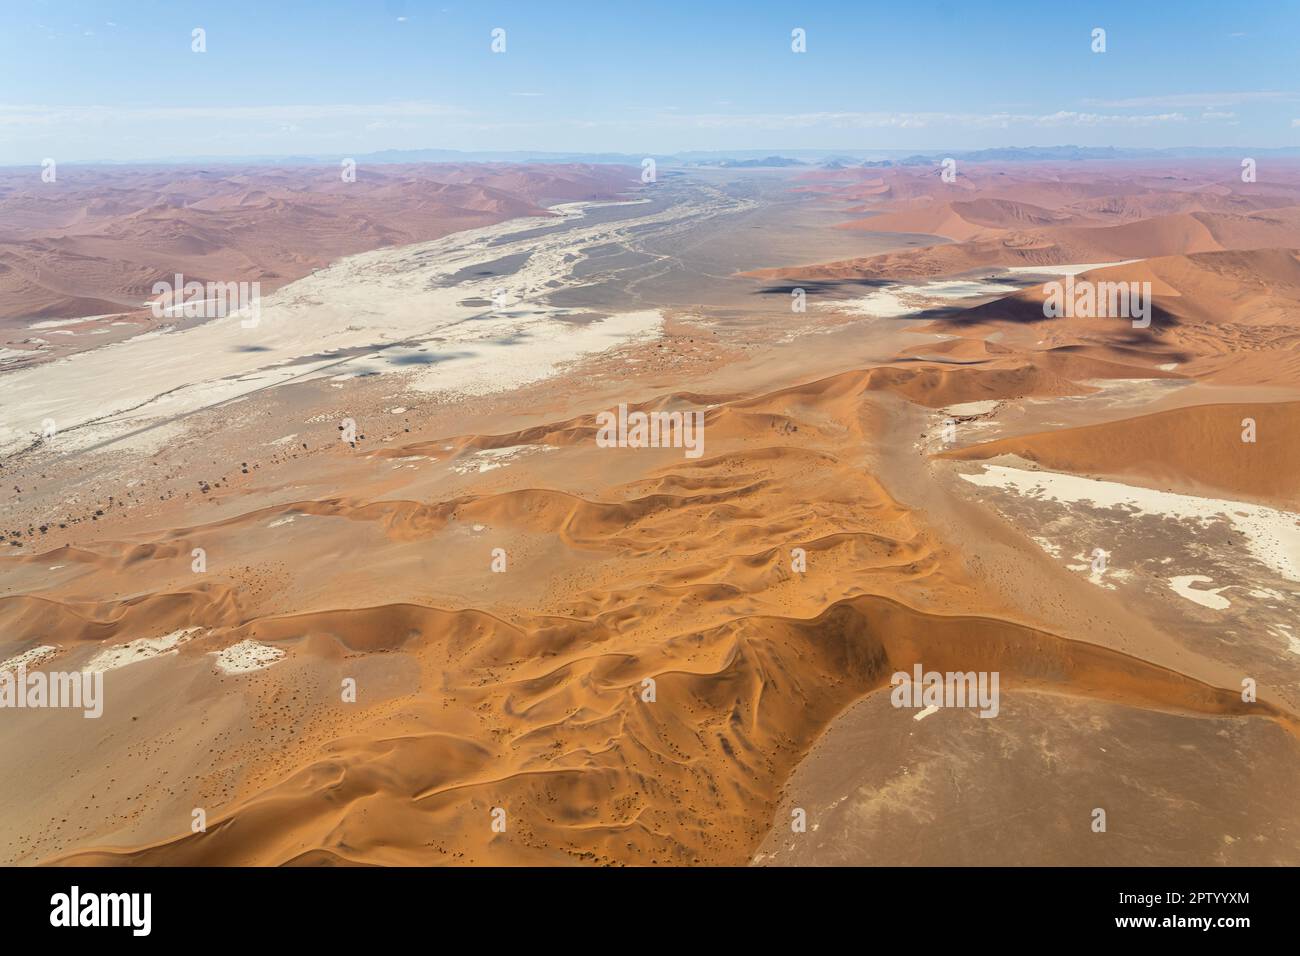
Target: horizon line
[{"x": 571, "y": 156}]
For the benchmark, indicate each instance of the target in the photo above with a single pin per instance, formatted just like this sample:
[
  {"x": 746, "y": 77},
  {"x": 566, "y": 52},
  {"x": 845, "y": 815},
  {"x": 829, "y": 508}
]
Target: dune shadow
[
  {"x": 416, "y": 359},
  {"x": 823, "y": 286},
  {"x": 1030, "y": 312}
]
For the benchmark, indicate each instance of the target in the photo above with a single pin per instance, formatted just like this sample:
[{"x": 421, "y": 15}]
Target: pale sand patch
[
  {"x": 1049, "y": 546},
  {"x": 1066, "y": 270},
  {"x": 922, "y": 714},
  {"x": 964, "y": 288},
  {"x": 900, "y": 300},
  {"x": 288, "y": 519},
  {"x": 56, "y": 323},
  {"x": 1094, "y": 576},
  {"x": 141, "y": 649},
  {"x": 1284, "y": 630},
  {"x": 971, "y": 408},
  {"x": 247, "y": 656},
  {"x": 29, "y": 658},
  {"x": 1267, "y": 593},
  {"x": 1272, "y": 536},
  {"x": 884, "y": 303},
  {"x": 413, "y": 294},
  {"x": 1209, "y": 597},
  {"x": 489, "y": 458},
  {"x": 497, "y": 362}
]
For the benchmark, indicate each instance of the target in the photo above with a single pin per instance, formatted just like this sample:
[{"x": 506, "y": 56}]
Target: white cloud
[
  {"x": 1194, "y": 100},
  {"x": 886, "y": 120},
  {"x": 1114, "y": 119},
  {"x": 15, "y": 115}
]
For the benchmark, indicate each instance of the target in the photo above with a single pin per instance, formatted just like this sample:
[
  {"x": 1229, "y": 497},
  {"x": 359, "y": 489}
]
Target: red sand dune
[
  {"x": 524, "y": 690},
  {"x": 1055, "y": 214},
  {"x": 1198, "y": 448},
  {"x": 95, "y": 241}
]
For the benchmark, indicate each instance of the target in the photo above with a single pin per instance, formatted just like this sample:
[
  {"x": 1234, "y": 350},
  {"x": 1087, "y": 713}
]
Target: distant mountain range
[{"x": 736, "y": 159}]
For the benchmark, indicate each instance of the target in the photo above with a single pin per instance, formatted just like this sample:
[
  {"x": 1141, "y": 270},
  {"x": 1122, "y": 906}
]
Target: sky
[{"x": 83, "y": 80}]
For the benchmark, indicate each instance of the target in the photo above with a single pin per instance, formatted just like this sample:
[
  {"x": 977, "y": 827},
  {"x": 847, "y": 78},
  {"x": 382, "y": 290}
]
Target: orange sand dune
[
  {"x": 628, "y": 655},
  {"x": 1226, "y": 317},
  {"x": 1199, "y": 447},
  {"x": 959, "y": 351},
  {"x": 1109, "y": 190},
  {"x": 1054, "y": 214},
  {"x": 1177, "y": 234},
  {"x": 680, "y": 574},
  {"x": 960, "y": 220},
  {"x": 748, "y": 696}
]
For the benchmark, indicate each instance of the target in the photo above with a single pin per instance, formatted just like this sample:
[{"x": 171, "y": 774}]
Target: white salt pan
[
  {"x": 247, "y": 656},
  {"x": 1211, "y": 598},
  {"x": 1272, "y": 536},
  {"x": 29, "y": 658},
  {"x": 140, "y": 650}
]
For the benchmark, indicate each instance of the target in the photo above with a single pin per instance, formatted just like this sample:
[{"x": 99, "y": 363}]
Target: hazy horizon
[
  {"x": 342, "y": 79},
  {"x": 810, "y": 156}
]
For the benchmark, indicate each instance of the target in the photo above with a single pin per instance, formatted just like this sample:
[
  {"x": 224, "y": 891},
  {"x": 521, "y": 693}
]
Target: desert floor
[{"x": 564, "y": 653}]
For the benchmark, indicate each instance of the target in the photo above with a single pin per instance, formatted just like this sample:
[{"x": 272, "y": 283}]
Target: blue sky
[{"x": 102, "y": 80}]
